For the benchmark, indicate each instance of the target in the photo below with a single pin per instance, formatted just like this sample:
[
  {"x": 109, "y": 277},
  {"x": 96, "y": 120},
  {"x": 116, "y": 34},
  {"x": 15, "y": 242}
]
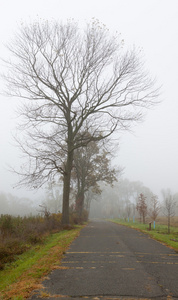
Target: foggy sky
[{"x": 150, "y": 153}]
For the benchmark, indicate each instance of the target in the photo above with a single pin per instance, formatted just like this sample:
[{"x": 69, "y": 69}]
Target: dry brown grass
[
  {"x": 18, "y": 234},
  {"x": 162, "y": 220}
]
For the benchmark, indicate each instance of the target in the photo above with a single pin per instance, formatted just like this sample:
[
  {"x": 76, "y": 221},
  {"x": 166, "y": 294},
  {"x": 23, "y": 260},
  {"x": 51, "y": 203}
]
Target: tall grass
[{"x": 18, "y": 234}]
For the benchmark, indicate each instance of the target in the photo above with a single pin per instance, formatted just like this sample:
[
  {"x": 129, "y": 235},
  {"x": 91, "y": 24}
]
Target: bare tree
[
  {"x": 44, "y": 211},
  {"x": 155, "y": 207},
  {"x": 53, "y": 197},
  {"x": 142, "y": 207},
  {"x": 169, "y": 207},
  {"x": 128, "y": 208},
  {"x": 74, "y": 81}
]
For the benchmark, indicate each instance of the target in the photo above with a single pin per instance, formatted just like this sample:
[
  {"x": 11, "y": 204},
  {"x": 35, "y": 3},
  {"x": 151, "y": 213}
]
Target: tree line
[{"x": 128, "y": 200}]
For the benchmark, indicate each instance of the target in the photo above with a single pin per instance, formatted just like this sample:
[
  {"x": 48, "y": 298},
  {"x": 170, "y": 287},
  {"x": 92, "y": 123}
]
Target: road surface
[{"x": 110, "y": 261}]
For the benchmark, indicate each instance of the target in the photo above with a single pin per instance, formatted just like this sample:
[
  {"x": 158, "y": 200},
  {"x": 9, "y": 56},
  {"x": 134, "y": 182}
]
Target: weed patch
[{"x": 18, "y": 234}]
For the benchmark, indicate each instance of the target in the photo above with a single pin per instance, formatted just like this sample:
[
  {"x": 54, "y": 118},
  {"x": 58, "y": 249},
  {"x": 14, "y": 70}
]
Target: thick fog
[{"x": 149, "y": 153}]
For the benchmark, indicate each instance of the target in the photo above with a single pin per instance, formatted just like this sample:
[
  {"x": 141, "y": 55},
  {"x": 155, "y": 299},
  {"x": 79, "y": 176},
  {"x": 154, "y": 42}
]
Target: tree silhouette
[{"x": 73, "y": 82}]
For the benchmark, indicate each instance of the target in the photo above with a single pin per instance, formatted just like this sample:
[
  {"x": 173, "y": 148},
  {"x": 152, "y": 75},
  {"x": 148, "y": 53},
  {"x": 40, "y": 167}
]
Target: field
[{"x": 163, "y": 221}]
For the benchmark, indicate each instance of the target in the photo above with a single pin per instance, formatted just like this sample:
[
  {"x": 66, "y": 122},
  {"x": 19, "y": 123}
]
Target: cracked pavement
[{"x": 110, "y": 261}]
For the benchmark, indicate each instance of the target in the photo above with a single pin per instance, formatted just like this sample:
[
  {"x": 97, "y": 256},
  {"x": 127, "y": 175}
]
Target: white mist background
[{"x": 150, "y": 153}]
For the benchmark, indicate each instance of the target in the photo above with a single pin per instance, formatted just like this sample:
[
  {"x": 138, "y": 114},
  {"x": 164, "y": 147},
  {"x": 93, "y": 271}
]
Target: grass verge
[
  {"x": 18, "y": 279},
  {"x": 159, "y": 233}
]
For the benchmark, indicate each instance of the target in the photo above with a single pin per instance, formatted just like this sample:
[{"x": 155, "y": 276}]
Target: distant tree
[
  {"x": 128, "y": 208},
  {"x": 134, "y": 211},
  {"x": 89, "y": 197},
  {"x": 155, "y": 207},
  {"x": 130, "y": 190},
  {"x": 72, "y": 81},
  {"x": 44, "y": 211},
  {"x": 15, "y": 206},
  {"x": 169, "y": 207},
  {"x": 176, "y": 199},
  {"x": 137, "y": 187},
  {"x": 115, "y": 197},
  {"x": 142, "y": 207},
  {"x": 111, "y": 204},
  {"x": 53, "y": 197}
]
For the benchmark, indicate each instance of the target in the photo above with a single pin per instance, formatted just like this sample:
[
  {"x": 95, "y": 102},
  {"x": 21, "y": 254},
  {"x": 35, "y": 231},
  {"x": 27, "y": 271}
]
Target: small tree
[
  {"x": 142, "y": 207},
  {"x": 155, "y": 208},
  {"x": 169, "y": 207}
]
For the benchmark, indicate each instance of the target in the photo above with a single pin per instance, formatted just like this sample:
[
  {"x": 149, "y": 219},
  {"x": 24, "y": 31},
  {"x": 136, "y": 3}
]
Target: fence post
[{"x": 149, "y": 226}]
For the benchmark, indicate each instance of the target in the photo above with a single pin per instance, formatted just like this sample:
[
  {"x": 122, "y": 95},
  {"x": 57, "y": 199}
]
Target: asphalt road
[{"x": 109, "y": 261}]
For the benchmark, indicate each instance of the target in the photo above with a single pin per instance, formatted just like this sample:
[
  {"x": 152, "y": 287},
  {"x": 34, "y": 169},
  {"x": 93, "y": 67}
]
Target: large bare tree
[{"x": 72, "y": 81}]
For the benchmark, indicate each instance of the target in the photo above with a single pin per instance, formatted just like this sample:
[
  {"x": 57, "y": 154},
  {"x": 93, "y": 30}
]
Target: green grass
[
  {"x": 19, "y": 278},
  {"x": 159, "y": 233}
]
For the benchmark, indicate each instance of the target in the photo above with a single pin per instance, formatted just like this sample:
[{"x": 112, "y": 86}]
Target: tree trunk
[
  {"x": 66, "y": 190},
  {"x": 169, "y": 221},
  {"x": 88, "y": 205},
  {"x": 80, "y": 203}
]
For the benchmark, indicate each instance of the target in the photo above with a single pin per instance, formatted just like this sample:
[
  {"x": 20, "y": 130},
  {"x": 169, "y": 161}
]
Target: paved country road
[{"x": 110, "y": 261}]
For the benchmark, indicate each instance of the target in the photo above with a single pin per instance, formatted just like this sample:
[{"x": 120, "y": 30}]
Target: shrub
[
  {"x": 34, "y": 238},
  {"x": 76, "y": 219},
  {"x": 6, "y": 225},
  {"x": 9, "y": 248}
]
